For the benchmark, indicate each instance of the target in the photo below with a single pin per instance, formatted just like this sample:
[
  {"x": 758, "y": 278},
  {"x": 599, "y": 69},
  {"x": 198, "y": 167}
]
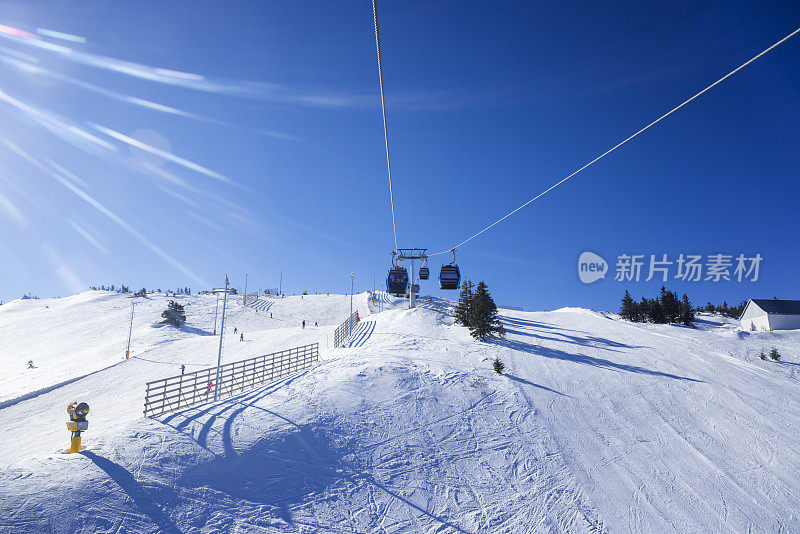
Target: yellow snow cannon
[{"x": 77, "y": 423}]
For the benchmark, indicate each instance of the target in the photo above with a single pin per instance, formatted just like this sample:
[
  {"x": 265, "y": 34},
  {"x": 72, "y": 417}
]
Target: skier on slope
[
  {"x": 304, "y": 324},
  {"x": 241, "y": 337}
]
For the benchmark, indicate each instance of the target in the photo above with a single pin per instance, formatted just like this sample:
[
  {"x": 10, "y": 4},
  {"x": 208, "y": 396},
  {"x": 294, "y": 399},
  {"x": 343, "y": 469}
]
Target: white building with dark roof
[{"x": 771, "y": 314}]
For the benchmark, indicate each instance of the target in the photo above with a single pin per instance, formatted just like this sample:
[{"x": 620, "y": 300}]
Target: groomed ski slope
[{"x": 597, "y": 425}]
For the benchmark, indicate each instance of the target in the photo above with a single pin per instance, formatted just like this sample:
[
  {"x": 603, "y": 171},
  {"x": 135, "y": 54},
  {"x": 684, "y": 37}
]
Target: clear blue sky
[{"x": 276, "y": 143}]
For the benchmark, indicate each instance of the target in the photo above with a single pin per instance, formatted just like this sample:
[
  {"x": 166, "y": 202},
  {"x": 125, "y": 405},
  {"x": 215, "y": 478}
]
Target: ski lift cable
[
  {"x": 383, "y": 108},
  {"x": 612, "y": 149}
]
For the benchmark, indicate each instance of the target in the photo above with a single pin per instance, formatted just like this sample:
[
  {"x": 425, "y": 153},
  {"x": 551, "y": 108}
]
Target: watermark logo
[
  {"x": 591, "y": 267},
  {"x": 663, "y": 267}
]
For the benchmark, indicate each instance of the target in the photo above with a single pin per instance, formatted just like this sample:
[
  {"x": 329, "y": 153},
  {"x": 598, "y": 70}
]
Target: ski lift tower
[{"x": 412, "y": 254}]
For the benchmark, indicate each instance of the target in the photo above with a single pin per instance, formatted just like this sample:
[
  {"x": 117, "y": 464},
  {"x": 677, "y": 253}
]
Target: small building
[
  {"x": 771, "y": 314},
  {"x": 219, "y": 291}
]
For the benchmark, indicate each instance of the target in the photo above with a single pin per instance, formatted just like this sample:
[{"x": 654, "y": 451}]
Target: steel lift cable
[
  {"x": 383, "y": 107},
  {"x": 612, "y": 149}
]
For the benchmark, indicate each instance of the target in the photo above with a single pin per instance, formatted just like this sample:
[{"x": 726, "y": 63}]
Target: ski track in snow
[{"x": 598, "y": 425}]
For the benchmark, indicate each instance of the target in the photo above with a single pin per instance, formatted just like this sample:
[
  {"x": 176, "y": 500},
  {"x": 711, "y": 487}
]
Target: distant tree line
[
  {"x": 142, "y": 292},
  {"x": 477, "y": 311},
  {"x": 734, "y": 312},
  {"x": 667, "y": 308}
]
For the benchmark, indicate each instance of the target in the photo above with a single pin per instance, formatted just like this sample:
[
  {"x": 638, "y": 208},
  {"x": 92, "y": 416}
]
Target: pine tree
[
  {"x": 670, "y": 305},
  {"x": 483, "y": 320},
  {"x": 687, "y": 312},
  {"x": 498, "y": 366},
  {"x": 774, "y": 354},
  {"x": 174, "y": 314},
  {"x": 626, "y": 310},
  {"x": 464, "y": 303}
]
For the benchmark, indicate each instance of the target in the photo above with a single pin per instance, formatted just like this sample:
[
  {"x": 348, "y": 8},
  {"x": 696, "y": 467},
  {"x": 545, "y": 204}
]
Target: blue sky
[{"x": 263, "y": 143}]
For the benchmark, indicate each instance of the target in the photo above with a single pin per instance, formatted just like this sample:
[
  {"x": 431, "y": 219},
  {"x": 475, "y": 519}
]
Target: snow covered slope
[{"x": 597, "y": 425}]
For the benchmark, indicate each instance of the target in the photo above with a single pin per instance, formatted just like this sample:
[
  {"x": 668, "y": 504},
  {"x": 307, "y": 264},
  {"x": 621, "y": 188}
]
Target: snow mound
[{"x": 597, "y": 424}]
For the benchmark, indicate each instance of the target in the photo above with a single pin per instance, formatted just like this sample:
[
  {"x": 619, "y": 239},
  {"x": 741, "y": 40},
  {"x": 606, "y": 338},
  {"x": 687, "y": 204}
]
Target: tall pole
[
  {"x": 351, "y": 304},
  {"x": 412, "y": 300},
  {"x": 280, "y": 285},
  {"x": 130, "y": 331},
  {"x": 221, "y": 334},
  {"x": 245, "y": 289},
  {"x": 216, "y": 307}
]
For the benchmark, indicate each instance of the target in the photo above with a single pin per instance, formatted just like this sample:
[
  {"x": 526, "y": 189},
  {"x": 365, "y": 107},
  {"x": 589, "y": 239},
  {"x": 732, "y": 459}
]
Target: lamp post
[
  {"x": 351, "y": 304},
  {"x": 221, "y": 334},
  {"x": 130, "y": 331},
  {"x": 216, "y": 307}
]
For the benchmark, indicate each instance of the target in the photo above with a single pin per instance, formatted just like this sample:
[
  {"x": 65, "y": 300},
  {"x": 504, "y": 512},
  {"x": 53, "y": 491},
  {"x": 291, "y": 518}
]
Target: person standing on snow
[
  {"x": 235, "y": 329},
  {"x": 304, "y": 324},
  {"x": 241, "y": 337},
  {"x": 183, "y": 368}
]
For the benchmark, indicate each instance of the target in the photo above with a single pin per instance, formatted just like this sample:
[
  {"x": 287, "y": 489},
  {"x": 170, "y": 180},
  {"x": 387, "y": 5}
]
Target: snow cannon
[{"x": 77, "y": 423}]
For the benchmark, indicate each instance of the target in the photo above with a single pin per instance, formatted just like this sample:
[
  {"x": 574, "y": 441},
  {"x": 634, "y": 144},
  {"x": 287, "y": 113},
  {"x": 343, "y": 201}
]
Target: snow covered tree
[
  {"x": 141, "y": 293},
  {"x": 464, "y": 303},
  {"x": 174, "y": 314},
  {"x": 483, "y": 320},
  {"x": 774, "y": 354},
  {"x": 687, "y": 312}
]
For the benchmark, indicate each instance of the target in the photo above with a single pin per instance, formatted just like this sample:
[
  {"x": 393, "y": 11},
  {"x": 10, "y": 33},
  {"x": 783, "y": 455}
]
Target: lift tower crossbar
[{"x": 412, "y": 254}]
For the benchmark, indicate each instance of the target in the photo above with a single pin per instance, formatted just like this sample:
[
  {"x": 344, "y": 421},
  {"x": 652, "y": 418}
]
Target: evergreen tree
[
  {"x": 774, "y": 354},
  {"x": 655, "y": 313},
  {"x": 174, "y": 314},
  {"x": 464, "y": 303},
  {"x": 627, "y": 308},
  {"x": 483, "y": 320},
  {"x": 687, "y": 312},
  {"x": 670, "y": 305},
  {"x": 498, "y": 366}
]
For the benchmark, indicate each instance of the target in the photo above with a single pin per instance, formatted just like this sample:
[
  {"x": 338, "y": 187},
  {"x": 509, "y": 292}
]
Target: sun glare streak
[
  {"x": 87, "y": 236},
  {"x": 175, "y": 194},
  {"x": 105, "y": 211},
  {"x": 67, "y": 275},
  {"x": 158, "y": 152},
  {"x": 24, "y": 63},
  {"x": 56, "y": 124},
  {"x": 206, "y": 222},
  {"x": 138, "y": 70},
  {"x": 16, "y": 32},
  {"x": 19, "y": 55},
  {"x": 13, "y": 213},
  {"x": 61, "y": 35},
  {"x": 66, "y": 173}
]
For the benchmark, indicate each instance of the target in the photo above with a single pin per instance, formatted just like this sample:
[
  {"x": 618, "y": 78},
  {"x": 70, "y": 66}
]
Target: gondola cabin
[
  {"x": 424, "y": 273},
  {"x": 449, "y": 277},
  {"x": 397, "y": 280}
]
